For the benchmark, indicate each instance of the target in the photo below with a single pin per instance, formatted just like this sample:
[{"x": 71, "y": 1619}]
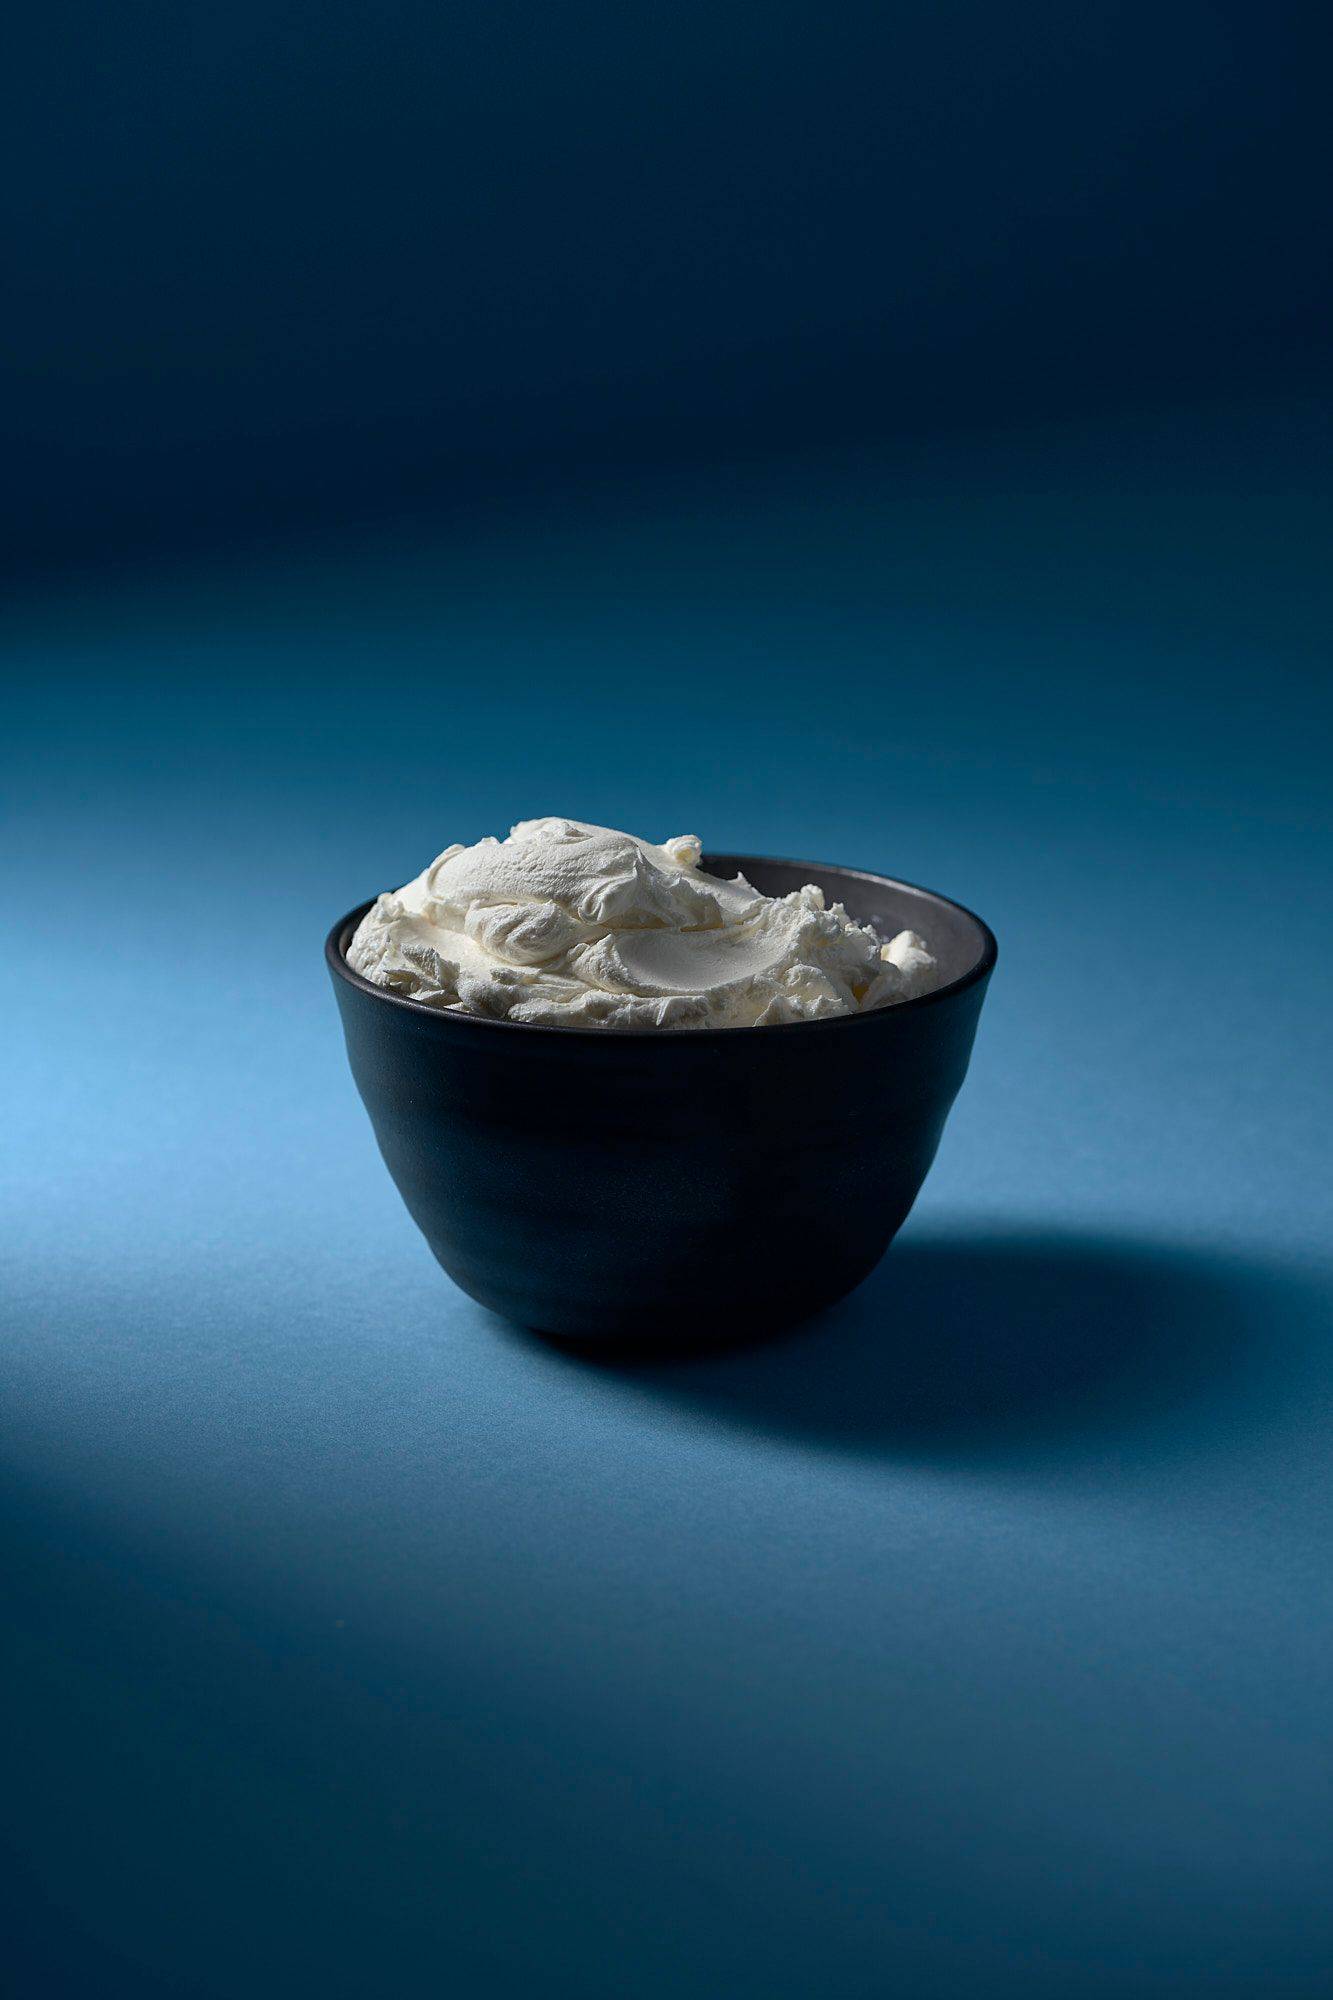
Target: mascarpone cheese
[{"x": 577, "y": 926}]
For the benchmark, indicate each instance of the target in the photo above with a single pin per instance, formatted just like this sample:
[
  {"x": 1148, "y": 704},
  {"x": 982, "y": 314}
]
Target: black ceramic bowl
[{"x": 607, "y": 1185}]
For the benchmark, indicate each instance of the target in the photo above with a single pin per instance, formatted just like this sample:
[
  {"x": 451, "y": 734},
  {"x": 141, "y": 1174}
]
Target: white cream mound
[{"x": 576, "y": 926}]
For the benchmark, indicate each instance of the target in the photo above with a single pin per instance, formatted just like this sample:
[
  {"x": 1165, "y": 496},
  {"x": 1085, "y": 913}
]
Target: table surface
[{"x": 973, "y": 1641}]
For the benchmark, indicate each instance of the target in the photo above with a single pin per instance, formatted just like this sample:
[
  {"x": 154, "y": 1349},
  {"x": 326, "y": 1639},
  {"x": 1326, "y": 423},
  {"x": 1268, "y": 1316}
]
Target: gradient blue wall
[{"x": 270, "y": 260}]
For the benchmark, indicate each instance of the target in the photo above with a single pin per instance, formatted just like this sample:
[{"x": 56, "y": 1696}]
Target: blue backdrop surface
[
  {"x": 292, "y": 257},
  {"x": 972, "y": 1641}
]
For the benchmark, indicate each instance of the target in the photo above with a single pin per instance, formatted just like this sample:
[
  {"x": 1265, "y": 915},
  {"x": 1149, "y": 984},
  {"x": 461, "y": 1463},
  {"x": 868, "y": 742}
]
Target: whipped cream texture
[{"x": 576, "y": 926}]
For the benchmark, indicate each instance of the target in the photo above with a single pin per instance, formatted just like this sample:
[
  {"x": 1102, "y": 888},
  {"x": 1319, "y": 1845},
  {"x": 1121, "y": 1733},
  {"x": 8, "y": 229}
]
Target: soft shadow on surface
[{"x": 1005, "y": 1344}]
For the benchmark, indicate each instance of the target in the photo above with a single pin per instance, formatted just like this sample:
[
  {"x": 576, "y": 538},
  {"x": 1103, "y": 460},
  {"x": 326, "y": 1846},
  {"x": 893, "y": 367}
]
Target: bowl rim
[{"x": 339, "y": 936}]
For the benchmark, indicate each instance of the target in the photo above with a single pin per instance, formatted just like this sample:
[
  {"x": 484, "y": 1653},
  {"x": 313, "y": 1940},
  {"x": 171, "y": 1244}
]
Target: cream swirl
[{"x": 570, "y": 925}]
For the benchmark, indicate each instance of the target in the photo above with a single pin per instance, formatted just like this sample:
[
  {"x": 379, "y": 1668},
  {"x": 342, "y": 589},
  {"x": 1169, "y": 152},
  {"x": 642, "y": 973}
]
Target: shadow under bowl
[{"x": 663, "y": 1187}]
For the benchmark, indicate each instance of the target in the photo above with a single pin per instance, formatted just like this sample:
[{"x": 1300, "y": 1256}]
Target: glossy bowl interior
[{"x": 650, "y": 1185}]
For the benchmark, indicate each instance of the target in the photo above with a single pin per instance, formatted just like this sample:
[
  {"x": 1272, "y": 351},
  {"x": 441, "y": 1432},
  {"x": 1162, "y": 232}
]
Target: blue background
[
  {"x": 288, "y": 259},
  {"x": 973, "y": 1641}
]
